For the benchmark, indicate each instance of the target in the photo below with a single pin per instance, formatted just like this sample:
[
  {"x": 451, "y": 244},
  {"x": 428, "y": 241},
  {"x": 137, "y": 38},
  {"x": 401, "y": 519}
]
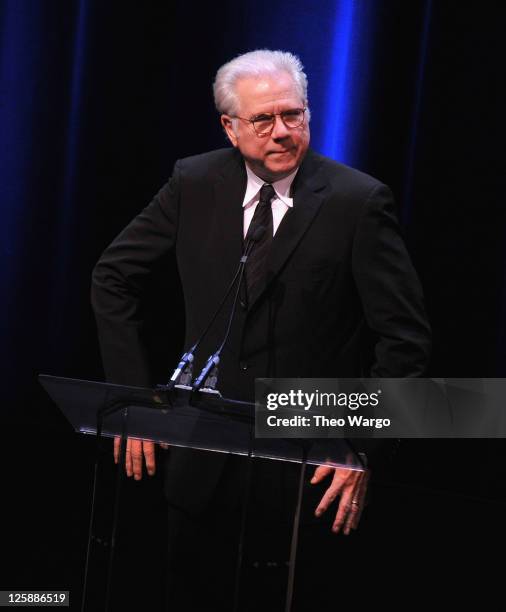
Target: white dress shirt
[{"x": 280, "y": 203}]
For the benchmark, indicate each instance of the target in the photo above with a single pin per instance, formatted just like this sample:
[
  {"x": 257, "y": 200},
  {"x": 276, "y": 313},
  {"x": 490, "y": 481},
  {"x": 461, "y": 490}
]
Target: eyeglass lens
[{"x": 291, "y": 118}]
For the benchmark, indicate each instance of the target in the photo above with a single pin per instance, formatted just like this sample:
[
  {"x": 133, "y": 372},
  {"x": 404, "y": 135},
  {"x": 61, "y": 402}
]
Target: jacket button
[
  {"x": 243, "y": 304},
  {"x": 244, "y": 365}
]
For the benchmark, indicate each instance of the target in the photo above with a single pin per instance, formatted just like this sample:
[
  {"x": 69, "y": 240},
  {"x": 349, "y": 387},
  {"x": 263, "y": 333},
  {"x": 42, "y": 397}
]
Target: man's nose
[{"x": 279, "y": 130}]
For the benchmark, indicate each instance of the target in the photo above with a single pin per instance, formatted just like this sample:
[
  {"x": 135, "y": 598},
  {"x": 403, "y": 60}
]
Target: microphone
[
  {"x": 209, "y": 373},
  {"x": 184, "y": 371}
]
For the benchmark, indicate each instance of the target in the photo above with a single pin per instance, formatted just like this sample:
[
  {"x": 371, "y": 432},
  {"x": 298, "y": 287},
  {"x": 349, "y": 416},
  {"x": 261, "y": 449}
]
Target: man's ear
[
  {"x": 308, "y": 112},
  {"x": 226, "y": 122}
]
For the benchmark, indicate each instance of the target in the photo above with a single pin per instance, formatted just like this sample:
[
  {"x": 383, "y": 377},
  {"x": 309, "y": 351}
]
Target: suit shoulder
[
  {"x": 206, "y": 164},
  {"x": 343, "y": 178}
]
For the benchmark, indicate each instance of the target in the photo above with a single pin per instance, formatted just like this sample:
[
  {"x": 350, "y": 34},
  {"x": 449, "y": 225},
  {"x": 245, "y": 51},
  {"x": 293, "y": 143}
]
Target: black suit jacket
[{"x": 341, "y": 297}]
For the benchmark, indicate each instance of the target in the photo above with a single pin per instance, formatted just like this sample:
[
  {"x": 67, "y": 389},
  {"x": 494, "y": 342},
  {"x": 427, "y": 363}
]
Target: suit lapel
[
  {"x": 307, "y": 199},
  {"x": 229, "y": 190}
]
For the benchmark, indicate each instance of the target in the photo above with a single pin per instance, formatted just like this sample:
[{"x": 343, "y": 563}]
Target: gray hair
[{"x": 255, "y": 64}]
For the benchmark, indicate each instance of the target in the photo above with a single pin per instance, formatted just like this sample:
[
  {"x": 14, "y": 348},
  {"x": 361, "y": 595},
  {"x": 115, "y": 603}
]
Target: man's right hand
[{"x": 135, "y": 450}]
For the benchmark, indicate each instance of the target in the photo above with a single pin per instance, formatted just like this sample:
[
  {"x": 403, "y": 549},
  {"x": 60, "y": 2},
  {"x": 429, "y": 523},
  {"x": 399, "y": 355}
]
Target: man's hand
[
  {"x": 351, "y": 485},
  {"x": 135, "y": 449}
]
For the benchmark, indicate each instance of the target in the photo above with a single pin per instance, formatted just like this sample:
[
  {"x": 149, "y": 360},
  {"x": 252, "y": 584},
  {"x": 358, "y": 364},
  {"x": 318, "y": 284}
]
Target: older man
[{"x": 330, "y": 279}]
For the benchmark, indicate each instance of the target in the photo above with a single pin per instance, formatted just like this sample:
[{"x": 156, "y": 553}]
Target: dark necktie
[{"x": 255, "y": 267}]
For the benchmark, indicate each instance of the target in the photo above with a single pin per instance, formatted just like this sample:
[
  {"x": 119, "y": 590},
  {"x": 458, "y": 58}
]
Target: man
[{"x": 331, "y": 278}]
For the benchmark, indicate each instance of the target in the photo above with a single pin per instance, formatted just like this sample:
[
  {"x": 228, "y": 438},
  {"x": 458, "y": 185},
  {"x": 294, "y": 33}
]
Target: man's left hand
[{"x": 351, "y": 486}]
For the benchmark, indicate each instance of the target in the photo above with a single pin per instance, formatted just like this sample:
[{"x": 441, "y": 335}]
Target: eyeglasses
[{"x": 264, "y": 124}]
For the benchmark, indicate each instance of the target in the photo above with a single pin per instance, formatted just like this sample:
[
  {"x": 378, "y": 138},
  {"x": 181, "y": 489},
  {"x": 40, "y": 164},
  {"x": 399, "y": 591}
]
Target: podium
[{"x": 201, "y": 420}]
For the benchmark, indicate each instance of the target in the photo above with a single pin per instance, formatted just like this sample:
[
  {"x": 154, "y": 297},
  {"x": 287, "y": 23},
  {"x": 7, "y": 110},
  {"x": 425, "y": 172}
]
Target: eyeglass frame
[{"x": 274, "y": 115}]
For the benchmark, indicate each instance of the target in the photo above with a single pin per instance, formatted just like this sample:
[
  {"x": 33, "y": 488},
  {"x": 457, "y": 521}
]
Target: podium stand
[{"x": 179, "y": 417}]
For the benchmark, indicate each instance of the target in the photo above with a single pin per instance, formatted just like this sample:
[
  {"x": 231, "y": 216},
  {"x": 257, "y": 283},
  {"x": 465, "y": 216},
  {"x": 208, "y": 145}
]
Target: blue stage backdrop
[{"x": 99, "y": 99}]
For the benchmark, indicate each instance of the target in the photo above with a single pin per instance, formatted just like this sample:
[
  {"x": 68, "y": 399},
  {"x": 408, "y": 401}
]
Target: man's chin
[
  {"x": 279, "y": 169},
  {"x": 273, "y": 169}
]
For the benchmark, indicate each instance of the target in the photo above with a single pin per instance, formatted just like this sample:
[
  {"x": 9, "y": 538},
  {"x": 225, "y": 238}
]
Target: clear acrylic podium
[{"x": 179, "y": 417}]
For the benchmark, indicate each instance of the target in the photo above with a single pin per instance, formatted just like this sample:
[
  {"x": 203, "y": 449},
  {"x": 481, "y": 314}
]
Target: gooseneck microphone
[
  {"x": 183, "y": 373},
  {"x": 209, "y": 373}
]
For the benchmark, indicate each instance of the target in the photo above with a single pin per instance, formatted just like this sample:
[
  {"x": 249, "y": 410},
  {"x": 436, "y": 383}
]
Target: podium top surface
[{"x": 182, "y": 418}]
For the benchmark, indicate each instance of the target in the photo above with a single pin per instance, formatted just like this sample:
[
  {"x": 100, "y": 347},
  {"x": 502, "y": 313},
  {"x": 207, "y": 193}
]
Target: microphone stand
[
  {"x": 183, "y": 374},
  {"x": 208, "y": 377}
]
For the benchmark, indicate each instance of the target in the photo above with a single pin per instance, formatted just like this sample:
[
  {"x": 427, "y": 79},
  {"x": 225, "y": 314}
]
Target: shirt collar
[{"x": 281, "y": 187}]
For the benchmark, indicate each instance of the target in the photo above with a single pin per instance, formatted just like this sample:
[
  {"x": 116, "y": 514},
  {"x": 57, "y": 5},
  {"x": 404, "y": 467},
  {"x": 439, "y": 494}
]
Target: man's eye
[
  {"x": 262, "y": 118},
  {"x": 291, "y": 113}
]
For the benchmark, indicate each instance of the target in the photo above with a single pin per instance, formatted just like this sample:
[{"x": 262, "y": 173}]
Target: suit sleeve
[
  {"x": 118, "y": 281},
  {"x": 390, "y": 291},
  {"x": 393, "y": 305}
]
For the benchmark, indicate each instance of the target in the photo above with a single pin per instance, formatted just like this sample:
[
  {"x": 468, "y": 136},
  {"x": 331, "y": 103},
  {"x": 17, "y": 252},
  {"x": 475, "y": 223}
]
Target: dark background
[{"x": 97, "y": 101}]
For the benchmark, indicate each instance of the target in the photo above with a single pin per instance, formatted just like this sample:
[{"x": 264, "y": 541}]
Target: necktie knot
[{"x": 266, "y": 194}]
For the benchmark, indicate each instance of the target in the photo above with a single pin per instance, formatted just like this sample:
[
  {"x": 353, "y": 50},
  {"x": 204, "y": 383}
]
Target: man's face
[{"x": 274, "y": 156}]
